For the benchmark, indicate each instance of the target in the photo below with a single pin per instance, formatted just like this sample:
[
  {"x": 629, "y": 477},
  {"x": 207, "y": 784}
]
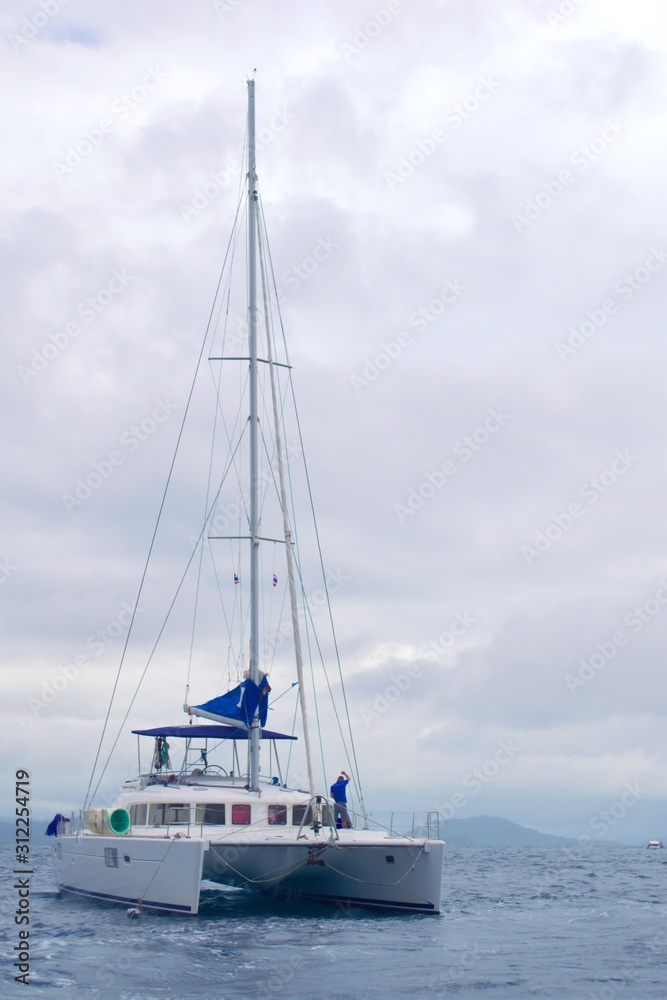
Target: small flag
[
  {"x": 236, "y": 579},
  {"x": 275, "y": 580}
]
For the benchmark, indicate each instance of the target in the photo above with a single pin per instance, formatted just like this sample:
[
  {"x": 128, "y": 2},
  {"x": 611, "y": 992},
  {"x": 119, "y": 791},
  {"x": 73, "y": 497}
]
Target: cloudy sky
[{"x": 466, "y": 208}]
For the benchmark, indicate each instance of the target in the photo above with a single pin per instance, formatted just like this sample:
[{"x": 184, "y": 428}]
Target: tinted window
[
  {"x": 240, "y": 814},
  {"x": 138, "y": 813},
  {"x": 277, "y": 815},
  {"x": 156, "y": 814},
  {"x": 298, "y": 812},
  {"x": 178, "y": 813},
  {"x": 211, "y": 812}
]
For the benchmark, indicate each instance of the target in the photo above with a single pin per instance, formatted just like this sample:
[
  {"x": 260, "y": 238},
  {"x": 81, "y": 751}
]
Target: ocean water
[{"x": 517, "y": 922}]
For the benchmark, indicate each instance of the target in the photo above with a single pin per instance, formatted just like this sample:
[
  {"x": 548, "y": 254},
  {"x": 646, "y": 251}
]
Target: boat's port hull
[{"x": 154, "y": 872}]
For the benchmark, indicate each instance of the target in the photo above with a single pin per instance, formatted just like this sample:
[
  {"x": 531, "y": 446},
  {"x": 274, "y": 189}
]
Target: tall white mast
[{"x": 255, "y": 727}]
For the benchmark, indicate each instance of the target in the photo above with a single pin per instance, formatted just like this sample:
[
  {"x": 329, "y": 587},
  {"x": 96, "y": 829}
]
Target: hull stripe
[
  {"x": 391, "y": 904},
  {"x": 178, "y": 907}
]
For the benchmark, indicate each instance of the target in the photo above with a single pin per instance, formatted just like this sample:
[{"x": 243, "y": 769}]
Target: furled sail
[{"x": 241, "y": 703}]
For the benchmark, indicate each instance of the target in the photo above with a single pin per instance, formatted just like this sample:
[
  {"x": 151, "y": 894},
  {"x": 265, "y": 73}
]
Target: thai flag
[
  {"x": 275, "y": 580},
  {"x": 236, "y": 579}
]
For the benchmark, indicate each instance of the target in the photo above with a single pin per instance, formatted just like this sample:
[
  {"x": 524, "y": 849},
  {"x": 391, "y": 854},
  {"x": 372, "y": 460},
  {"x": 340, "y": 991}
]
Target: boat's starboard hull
[{"x": 388, "y": 874}]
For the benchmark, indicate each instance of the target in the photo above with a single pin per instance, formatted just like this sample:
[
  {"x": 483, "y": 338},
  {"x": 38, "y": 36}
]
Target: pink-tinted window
[
  {"x": 277, "y": 815},
  {"x": 240, "y": 814}
]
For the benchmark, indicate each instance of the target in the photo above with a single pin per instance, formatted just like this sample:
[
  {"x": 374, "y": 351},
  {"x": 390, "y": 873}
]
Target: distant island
[
  {"x": 493, "y": 831},
  {"x": 479, "y": 831}
]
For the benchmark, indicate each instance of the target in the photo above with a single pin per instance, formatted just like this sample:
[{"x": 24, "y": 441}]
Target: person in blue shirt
[{"x": 339, "y": 795}]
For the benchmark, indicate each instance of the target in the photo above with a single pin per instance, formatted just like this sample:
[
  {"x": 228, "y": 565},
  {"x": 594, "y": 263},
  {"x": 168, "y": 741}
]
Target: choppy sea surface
[{"x": 517, "y": 922}]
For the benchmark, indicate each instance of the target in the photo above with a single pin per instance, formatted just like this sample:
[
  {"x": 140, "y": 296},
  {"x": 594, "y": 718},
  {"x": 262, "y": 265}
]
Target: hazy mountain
[{"x": 493, "y": 831}]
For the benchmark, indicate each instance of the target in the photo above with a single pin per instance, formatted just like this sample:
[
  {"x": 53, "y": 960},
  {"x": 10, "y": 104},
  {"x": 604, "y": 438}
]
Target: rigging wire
[
  {"x": 288, "y": 391},
  {"x": 157, "y": 524},
  {"x": 355, "y": 767},
  {"x": 157, "y": 640}
]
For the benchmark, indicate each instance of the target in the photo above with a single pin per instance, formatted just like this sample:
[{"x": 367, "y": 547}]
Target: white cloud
[{"x": 339, "y": 126}]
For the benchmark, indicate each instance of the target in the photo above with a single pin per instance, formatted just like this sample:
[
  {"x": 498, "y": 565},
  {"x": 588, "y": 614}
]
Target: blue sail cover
[
  {"x": 214, "y": 731},
  {"x": 241, "y": 703}
]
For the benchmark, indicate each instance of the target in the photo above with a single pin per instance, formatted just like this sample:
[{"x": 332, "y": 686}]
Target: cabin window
[
  {"x": 156, "y": 814},
  {"x": 178, "y": 813},
  {"x": 277, "y": 815},
  {"x": 111, "y": 857},
  {"x": 211, "y": 812},
  {"x": 161, "y": 813},
  {"x": 139, "y": 813},
  {"x": 240, "y": 814},
  {"x": 298, "y": 813}
]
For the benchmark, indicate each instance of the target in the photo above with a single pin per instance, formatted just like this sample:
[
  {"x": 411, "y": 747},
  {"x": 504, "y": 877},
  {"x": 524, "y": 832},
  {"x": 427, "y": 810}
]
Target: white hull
[
  {"x": 165, "y": 873},
  {"x": 156, "y": 872},
  {"x": 357, "y": 870}
]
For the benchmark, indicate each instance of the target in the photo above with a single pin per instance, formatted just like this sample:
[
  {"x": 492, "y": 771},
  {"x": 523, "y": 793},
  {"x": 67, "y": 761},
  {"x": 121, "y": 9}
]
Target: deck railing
[{"x": 424, "y": 825}]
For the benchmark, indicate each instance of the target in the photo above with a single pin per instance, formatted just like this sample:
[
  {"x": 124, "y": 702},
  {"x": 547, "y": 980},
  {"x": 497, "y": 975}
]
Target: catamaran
[{"x": 225, "y": 811}]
